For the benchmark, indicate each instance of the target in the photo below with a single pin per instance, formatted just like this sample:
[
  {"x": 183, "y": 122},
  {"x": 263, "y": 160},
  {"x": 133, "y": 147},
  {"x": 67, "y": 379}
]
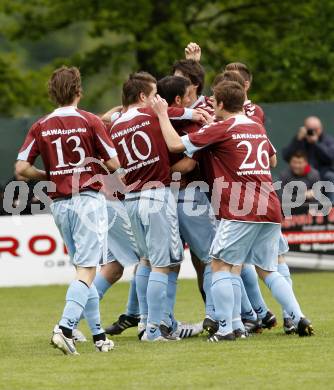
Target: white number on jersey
[
  {"x": 135, "y": 149},
  {"x": 77, "y": 148},
  {"x": 260, "y": 155}
]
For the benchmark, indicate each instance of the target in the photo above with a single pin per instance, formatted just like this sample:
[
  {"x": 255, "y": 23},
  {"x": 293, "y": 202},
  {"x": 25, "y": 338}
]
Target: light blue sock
[
  {"x": 132, "y": 307},
  {"x": 223, "y": 300},
  {"x": 236, "y": 315},
  {"x": 142, "y": 275},
  {"x": 171, "y": 296},
  {"x": 283, "y": 293},
  {"x": 251, "y": 282},
  {"x": 92, "y": 311},
  {"x": 156, "y": 300},
  {"x": 76, "y": 299},
  {"x": 207, "y": 283},
  {"x": 247, "y": 311},
  {"x": 101, "y": 284},
  {"x": 283, "y": 269}
]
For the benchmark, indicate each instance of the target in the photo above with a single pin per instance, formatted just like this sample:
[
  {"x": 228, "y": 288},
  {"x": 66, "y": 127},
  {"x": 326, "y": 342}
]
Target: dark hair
[
  {"x": 172, "y": 86},
  {"x": 242, "y": 69},
  {"x": 65, "y": 85},
  {"x": 228, "y": 75},
  {"x": 231, "y": 93},
  {"x": 193, "y": 71},
  {"x": 298, "y": 154},
  {"x": 135, "y": 85}
]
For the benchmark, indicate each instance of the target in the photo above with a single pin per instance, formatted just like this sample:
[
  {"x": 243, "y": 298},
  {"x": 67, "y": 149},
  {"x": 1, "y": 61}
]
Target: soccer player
[
  {"x": 65, "y": 139},
  {"x": 196, "y": 230},
  {"x": 193, "y": 71},
  {"x": 243, "y": 156},
  {"x": 150, "y": 203},
  {"x": 250, "y": 109},
  {"x": 248, "y": 274}
]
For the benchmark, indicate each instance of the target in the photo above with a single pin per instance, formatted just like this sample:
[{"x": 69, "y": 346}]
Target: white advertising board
[{"x": 32, "y": 253}]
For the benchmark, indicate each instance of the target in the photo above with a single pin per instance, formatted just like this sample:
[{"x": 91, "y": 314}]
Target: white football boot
[
  {"x": 184, "y": 330},
  {"x": 78, "y": 336},
  {"x": 158, "y": 339},
  {"x": 63, "y": 343},
  {"x": 104, "y": 345}
]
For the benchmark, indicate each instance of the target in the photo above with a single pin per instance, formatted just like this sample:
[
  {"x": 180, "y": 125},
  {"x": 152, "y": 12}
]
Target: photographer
[{"x": 318, "y": 147}]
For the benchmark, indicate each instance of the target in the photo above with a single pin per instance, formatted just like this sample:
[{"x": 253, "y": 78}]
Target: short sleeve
[
  {"x": 29, "y": 150},
  {"x": 104, "y": 144},
  {"x": 202, "y": 138},
  {"x": 272, "y": 150}
]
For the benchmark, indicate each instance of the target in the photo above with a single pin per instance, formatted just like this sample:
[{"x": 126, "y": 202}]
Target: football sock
[
  {"x": 100, "y": 336},
  {"x": 142, "y": 275},
  {"x": 283, "y": 293},
  {"x": 132, "y": 307},
  {"x": 247, "y": 311},
  {"x": 92, "y": 311},
  {"x": 207, "y": 283},
  {"x": 156, "y": 300},
  {"x": 171, "y": 296},
  {"x": 283, "y": 269},
  {"x": 251, "y": 283},
  {"x": 236, "y": 315},
  {"x": 223, "y": 300},
  {"x": 101, "y": 284},
  {"x": 76, "y": 299}
]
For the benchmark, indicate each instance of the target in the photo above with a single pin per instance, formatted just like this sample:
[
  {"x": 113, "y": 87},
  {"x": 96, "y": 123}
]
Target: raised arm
[{"x": 107, "y": 116}]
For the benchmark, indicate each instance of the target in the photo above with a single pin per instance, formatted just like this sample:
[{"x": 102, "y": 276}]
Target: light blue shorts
[
  {"x": 155, "y": 226},
  {"x": 283, "y": 245},
  {"x": 247, "y": 243},
  {"x": 197, "y": 222},
  {"x": 82, "y": 221},
  {"x": 121, "y": 242}
]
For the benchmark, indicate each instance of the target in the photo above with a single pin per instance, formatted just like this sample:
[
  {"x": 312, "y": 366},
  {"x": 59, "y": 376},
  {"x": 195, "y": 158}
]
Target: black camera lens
[{"x": 310, "y": 131}]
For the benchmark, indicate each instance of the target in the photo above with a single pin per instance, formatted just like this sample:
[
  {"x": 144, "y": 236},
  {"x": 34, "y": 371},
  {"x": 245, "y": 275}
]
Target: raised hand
[{"x": 193, "y": 52}]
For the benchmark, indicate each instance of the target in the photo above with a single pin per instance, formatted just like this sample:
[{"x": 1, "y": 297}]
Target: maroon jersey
[
  {"x": 253, "y": 110},
  {"x": 205, "y": 103},
  {"x": 240, "y": 152},
  {"x": 64, "y": 139},
  {"x": 141, "y": 147}
]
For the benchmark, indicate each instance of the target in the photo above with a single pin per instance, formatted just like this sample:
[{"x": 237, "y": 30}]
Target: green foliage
[{"x": 288, "y": 46}]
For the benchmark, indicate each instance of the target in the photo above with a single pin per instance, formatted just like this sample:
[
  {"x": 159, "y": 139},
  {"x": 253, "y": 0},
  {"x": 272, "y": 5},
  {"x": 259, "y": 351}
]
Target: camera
[{"x": 310, "y": 131}]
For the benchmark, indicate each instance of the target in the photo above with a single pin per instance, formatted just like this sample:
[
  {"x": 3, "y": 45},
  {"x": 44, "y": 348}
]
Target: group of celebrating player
[{"x": 167, "y": 168}]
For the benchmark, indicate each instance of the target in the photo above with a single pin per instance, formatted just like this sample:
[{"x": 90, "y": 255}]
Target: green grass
[{"x": 268, "y": 361}]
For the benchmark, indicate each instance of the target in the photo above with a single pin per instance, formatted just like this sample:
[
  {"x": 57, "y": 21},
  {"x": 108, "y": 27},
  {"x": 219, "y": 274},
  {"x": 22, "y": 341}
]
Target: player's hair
[
  {"x": 64, "y": 85},
  {"x": 298, "y": 154},
  {"x": 228, "y": 75},
  {"x": 172, "y": 86},
  {"x": 136, "y": 84},
  {"x": 193, "y": 71},
  {"x": 232, "y": 94},
  {"x": 242, "y": 69}
]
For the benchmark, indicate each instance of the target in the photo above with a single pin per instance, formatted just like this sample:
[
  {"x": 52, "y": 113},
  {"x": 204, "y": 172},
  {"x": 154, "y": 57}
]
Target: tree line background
[{"x": 288, "y": 45}]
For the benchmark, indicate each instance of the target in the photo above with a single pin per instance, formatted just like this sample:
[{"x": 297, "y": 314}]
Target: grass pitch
[{"x": 268, "y": 361}]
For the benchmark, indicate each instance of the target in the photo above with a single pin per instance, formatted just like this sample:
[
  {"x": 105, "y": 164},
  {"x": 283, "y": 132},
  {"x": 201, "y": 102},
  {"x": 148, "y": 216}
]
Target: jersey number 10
[{"x": 135, "y": 149}]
